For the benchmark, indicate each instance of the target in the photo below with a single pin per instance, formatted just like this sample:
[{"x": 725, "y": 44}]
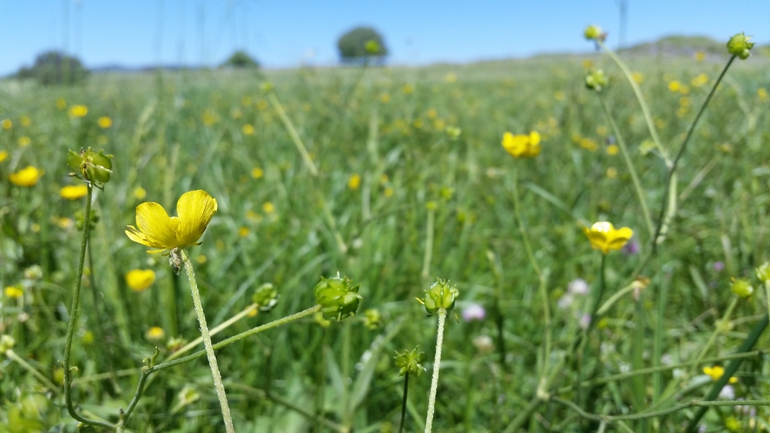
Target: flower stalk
[
  {"x": 212, "y": 358},
  {"x": 436, "y": 366}
]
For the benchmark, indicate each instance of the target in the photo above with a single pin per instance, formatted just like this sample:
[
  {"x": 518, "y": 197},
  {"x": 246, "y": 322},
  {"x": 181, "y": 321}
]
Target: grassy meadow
[{"x": 405, "y": 181}]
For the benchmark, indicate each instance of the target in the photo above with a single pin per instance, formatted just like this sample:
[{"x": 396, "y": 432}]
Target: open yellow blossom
[
  {"x": 156, "y": 333},
  {"x": 26, "y": 176},
  {"x": 73, "y": 192},
  {"x": 522, "y": 145},
  {"x": 104, "y": 122},
  {"x": 13, "y": 292},
  {"x": 157, "y": 230},
  {"x": 268, "y": 207},
  {"x": 354, "y": 181},
  {"x": 3, "y": 155},
  {"x": 257, "y": 173},
  {"x": 716, "y": 372},
  {"x": 140, "y": 279},
  {"x": 78, "y": 111},
  {"x": 605, "y": 237}
]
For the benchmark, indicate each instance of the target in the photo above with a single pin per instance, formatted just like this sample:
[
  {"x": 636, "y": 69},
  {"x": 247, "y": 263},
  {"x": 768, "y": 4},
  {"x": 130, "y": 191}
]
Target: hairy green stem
[
  {"x": 212, "y": 358},
  {"x": 74, "y": 310},
  {"x": 436, "y": 366}
]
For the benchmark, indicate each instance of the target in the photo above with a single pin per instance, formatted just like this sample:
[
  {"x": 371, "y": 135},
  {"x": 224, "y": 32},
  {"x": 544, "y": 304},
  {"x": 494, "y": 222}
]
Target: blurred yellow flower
[
  {"x": 3, "y": 155},
  {"x": 104, "y": 122},
  {"x": 7, "y": 124},
  {"x": 268, "y": 207},
  {"x": 24, "y": 141},
  {"x": 261, "y": 104},
  {"x": 762, "y": 93},
  {"x": 613, "y": 149},
  {"x": 522, "y": 145},
  {"x": 559, "y": 95},
  {"x": 201, "y": 259},
  {"x": 61, "y": 104},
  {"x": 384, "y": 98},
  {"x": 26, "y": 176},
  {"x": 408, "y": 89},
  {"x": 355, "y": 181},
  {"x": 243, "y": 232},
  {"x": 88, "y": 338},
  {"x": 140, "y": 279},
  {"x": 638, "y": 77},
  {"x": 451, "y": 77},
  {"x": 157, "y": 230},
  {"x": 247, "y": 129},
  {"x": 64, "y": 223},
  {"x": 209, "y": 117},
  {"x": 139, "y": 193},
  {"x": 674, "y": 86},
  {"x": 716, "y": 372},
  {"x": 700, "y": 56},
  {"x": 13, "y": 292},
  {"x": 605, "y": 237},
  {"x": 78, "y": 111},
  {"x": 73, "y": 192},
  {"x": 156, "y": 333},
  {"x": 257, "y": 173},
  {"x": 588, "y": 144},
  {"x": 612, "y": 172},
  {"x": 388, "y": 192},
  {"x": 25, "y": 121},
  {"x": 699, "y": 80},
  {"x": 246, "y": 101}
]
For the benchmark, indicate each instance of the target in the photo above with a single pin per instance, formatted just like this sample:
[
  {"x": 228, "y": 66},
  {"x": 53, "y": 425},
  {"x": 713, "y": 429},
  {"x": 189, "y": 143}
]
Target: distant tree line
[
  {"x": 53, "y": 67},
  {"x": 362, "y": 44}
]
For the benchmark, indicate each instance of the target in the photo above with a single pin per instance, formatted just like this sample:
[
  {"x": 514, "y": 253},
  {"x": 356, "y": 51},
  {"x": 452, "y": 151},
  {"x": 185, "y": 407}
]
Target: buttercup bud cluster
[{"x": 337, "y": 297}]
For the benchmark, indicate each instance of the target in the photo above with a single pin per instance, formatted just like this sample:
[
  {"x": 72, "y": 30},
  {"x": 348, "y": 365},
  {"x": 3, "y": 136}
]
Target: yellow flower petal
[
  {"x": 195, "y": 210},
  {"x": 155, "y": 228}
]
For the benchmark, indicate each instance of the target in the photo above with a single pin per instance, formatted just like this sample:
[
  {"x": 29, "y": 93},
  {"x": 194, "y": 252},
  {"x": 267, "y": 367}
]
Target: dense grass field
[{"x": 405, "y": 181}]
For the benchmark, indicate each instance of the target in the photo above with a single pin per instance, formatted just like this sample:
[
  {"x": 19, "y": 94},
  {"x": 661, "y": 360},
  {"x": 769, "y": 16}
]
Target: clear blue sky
[{"x": 282, "y": 33}]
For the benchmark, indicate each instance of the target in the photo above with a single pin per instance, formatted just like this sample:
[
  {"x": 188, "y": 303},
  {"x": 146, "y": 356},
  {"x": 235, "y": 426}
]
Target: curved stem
[
  {"x": 436, "y": 366},
  {"x": 74, "y": 310},
  {"x": 630, "y": 165},
  {"x": 642, "y": 101},
  {"x": 212, "y": 358}
]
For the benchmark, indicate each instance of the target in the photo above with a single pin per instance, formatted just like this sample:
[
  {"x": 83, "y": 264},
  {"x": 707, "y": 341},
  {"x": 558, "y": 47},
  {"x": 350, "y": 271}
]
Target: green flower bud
[
  {"x": 739, "y": 45},
  {"x": 439, "y": 296},
  {"x": 372, "y": 319},
  {"x": 267, "y": 86},
  {"x": 175, "y": 343},
  {"x": 337, "y": 297},
  {"x": 742, "y": 287},
  {"x": 372, "y": 47},
  {"x": 90, "y": 166},
  {"x": 6, "y": 343},
  {"x": 266, "y": 296},
  {"x": 593, "y": 32},
  {"x": 596, "y": 80},
  {"x": 188, "y": 395},
  {"x": 409, "y": 361},
  {"x": 453, "y": 132},
  {"x": 763, "y": 272}
]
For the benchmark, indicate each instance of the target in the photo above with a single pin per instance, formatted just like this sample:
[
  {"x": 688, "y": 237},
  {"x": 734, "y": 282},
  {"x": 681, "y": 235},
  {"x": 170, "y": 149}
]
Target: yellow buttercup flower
[
  {"x": 73, "y": 192},
  {"x": 156, "y": 333},
  {"x": 13, "y": 292},
  {"x": 605, "y": 237},
  {"x": 354, "y": 181},
  {"x": 247, "y": 129},
  {"x": 26, "y": 176},
  {"x": 104, "y": 122},
  {"x": 157, "y": 230},
  {"x": 78, "y": 111},
  {"x": 717, "y": 372},
  {"x": 522, "y": 145},
  {"x": 3, "y": 155},
  {"x": 140, "y": 279},
  {"x": 257, "y": 173}
]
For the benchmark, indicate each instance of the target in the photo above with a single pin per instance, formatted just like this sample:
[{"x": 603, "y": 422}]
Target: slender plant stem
[
  {"x": 747, "y": 344},
  {"x": 293, "y": 134},
  {"x": 428, "y": 242},
  {"x": 147, "y": 371},
  {"x": 540, "y": 276},
  {"x": 44, "y": 380},
  {"x": 436, "y": 366},
  {"x": 403, "y": 402},
  {"x": 220, "y": 387},
  {"x": 630, "y": 165},
  {"x": 675, "y": 163},
  {"x": 74, "y": 310},
  {"x": 717, "y": 331},
  {"x": 642, "y": 101}
]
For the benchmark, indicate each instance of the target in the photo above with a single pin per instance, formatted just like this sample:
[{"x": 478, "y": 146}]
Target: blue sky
[{"x": 282, "y": 33}]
